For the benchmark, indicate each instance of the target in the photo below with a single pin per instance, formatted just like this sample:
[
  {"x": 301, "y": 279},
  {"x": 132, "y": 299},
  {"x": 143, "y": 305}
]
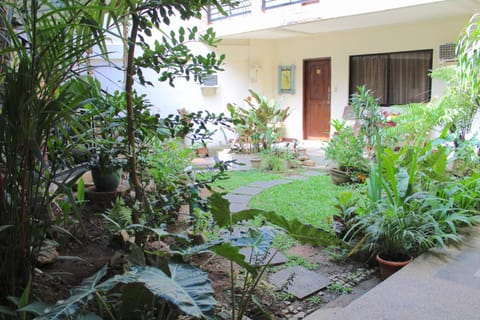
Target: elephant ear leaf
[
  {"x": 232, "y": 253},
  {"x": 194, "y": 291},
  {"x": 69, "y": 307},
  {"x": 188, "y": 288}
]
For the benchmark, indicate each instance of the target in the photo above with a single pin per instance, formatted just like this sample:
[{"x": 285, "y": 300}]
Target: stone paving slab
[
  {"x": 297, "y": 177},
  {"x": 268, "y": 184},
  {"x": 238, "y": 206},
  {"x": 305, "y": 282},
  {"x": 259, "y": 260},
  {"x": 238, "y": 198},
  {"x": 248, "y": 190}
]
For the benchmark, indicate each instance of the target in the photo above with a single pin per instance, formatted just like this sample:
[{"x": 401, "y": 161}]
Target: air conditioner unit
[
  {"x": 447, "y": 52},
  {"x": 210, "y": 81}
]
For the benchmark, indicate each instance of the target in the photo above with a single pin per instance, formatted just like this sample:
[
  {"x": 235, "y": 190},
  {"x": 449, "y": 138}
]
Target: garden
[{"x": 153, "y": 237}]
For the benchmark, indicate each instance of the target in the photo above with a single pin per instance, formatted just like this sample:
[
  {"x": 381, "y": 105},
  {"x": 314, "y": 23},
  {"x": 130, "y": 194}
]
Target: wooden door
[{"x": 316, "y": 99}]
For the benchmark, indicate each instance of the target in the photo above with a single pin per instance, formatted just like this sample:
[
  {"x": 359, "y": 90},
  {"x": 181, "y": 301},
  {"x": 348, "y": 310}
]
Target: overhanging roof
[{"x": 425, "y": 12}]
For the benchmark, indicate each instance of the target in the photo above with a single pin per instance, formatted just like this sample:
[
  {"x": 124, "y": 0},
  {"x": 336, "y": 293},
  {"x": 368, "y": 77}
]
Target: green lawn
[{"x": 310, "y": 201}]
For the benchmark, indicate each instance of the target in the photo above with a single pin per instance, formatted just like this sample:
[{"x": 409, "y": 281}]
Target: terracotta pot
[
  {"x": 255, "y": 163},
  {"x": 202, "y": 152},
  {"x": 387, "y": 268},
  {"x": 339, "y": 177}
]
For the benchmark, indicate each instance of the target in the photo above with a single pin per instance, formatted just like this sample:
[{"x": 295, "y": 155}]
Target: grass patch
[
  {"x": 310, "y": 201},
  {"x": 242, "y": 178}
]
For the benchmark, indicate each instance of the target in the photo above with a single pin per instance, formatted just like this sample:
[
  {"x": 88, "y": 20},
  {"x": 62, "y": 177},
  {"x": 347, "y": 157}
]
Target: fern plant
[{"x": 118, "y": 217}]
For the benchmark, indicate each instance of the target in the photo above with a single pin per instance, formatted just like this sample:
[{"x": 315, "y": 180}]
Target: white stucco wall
[
  {"x": 339, "y": 46},
  {"x": 253, "y": 64}
]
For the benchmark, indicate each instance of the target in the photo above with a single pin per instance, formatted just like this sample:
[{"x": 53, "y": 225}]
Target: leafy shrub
[{"x": 257, "y": 125}]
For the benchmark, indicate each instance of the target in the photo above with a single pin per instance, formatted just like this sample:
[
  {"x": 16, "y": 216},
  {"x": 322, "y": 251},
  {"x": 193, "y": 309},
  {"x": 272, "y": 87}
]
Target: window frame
[{"x": 388, "y": 55}]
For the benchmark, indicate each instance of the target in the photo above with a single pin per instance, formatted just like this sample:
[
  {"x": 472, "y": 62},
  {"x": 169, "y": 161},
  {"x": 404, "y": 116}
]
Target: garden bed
[{"x": 81, "y": 259}]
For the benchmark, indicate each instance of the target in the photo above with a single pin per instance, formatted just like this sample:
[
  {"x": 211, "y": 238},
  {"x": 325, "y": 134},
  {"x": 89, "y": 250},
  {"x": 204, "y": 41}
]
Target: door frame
[{"x": 304, "y": 97}]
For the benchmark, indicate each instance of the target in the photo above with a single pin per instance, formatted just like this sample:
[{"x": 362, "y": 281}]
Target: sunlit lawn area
[{"x": 311, "y": 200}]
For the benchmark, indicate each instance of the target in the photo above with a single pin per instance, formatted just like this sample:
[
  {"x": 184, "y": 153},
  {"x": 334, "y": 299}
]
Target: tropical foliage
[
  {"x": 257, "y": 125},
  {"x": 48, "y": 51}
]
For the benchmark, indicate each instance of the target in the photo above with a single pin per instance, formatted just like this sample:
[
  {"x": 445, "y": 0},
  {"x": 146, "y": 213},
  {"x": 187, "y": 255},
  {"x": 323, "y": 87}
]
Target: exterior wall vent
[
  {"x": 447, "y": 52},
  {"x": 210, "y": 81}
]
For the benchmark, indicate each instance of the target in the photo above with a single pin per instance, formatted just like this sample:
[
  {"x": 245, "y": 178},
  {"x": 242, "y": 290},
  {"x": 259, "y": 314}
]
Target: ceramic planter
[
  {"x": 339, "y": 177},
  {"x": 387, "y": 267},
  {"x": 106, "y": 179}
]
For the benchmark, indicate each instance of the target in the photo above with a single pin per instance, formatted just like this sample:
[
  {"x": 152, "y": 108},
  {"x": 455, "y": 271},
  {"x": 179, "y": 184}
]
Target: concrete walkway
[{"x": 439, "y": 285}]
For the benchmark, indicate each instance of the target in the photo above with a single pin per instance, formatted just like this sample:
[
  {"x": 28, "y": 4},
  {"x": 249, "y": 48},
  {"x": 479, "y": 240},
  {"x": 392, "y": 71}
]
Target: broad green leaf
[
  {"x": 7, "y": 311},
  {"x": 303, "y": 232},
  {"x": 5, "y": 227},
  {"x": 220, "y": 208},
  {"x": 87, "y": 316},
  {"x": 232, "y": 253},
  {"x": 247, "y": 214},
  {"x": 36, "y": 308},
  {"x": 68, "y": 307},
  {"x": 188, "y": 288},
  {"x": 402, "y": 182}
]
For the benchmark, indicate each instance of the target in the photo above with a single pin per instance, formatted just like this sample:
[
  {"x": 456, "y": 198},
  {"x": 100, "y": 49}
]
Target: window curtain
[
  {"x": 372, "y": 72},
  {"x": 408, "y": 77}
]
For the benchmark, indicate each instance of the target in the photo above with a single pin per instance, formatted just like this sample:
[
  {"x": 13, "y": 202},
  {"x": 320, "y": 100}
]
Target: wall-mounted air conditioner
[
  {"x": 447, "y": 52},
  {"x": 210, "y": 81}
]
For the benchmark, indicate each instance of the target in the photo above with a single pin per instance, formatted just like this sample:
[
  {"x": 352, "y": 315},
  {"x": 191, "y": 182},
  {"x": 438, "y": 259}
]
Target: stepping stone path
[
  {"x": 302, "y": 282},
  {"x": 299, "y": 281},
  {"x": 257, "y": 260},
  {"x": 295, "y": 280}
]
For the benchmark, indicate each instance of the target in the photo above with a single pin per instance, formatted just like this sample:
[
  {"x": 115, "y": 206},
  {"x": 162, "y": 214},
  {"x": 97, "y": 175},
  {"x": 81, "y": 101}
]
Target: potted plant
[
  {"x": 368, "y": 112},
  {"x": 400, "y": 219},
  {"x": 109, "y": 146},
  {"x": 259, "y": 124},
  {"x": 345, "y": 149},
  {"x": 100, "y": 114},
  {"x": 107, "y": 168}
]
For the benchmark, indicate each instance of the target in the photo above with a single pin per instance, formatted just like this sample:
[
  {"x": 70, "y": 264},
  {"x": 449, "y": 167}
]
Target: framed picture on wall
[{"x": 286, "y": 79}]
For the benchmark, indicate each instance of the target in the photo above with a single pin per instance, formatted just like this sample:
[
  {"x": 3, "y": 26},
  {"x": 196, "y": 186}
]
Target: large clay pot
[
  {"x": 255, "y": 163},
  {"x": 339, "y": 177},
  {"x": 106, "y": 179},
  {"x": 387, "y": 267}
]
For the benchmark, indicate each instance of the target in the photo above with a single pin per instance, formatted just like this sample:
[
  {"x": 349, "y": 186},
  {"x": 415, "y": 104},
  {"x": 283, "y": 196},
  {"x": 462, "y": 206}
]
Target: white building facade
[{"x": 327, "y": 47}]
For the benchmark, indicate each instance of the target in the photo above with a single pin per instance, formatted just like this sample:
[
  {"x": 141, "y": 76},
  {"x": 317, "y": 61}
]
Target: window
[
  {"x": 394, "y": 78},
  {"x": 270, "y": 4},
  {"x": 240, "y": 7}
]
